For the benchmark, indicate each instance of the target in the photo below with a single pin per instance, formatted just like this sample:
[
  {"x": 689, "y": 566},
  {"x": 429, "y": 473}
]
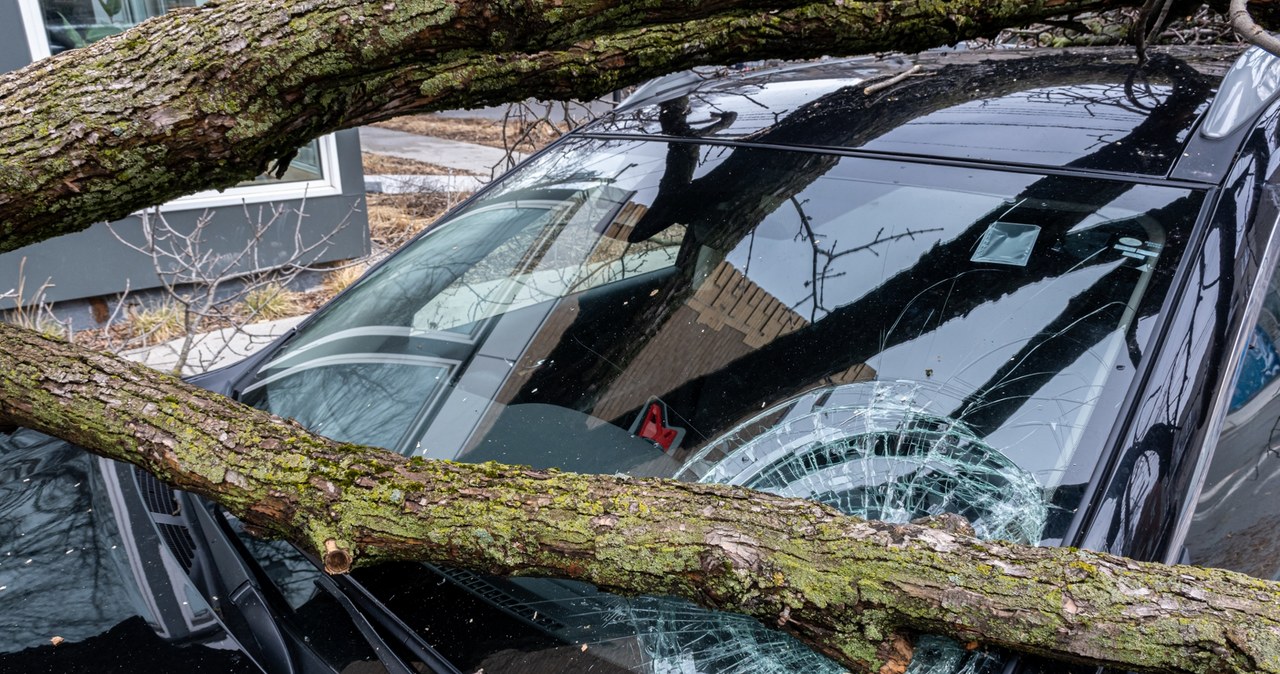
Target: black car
[{"x": 1036, "y": 291}]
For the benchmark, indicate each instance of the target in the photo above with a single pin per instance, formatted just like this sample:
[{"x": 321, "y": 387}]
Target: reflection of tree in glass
[
  {"x": 366, "y": 401},
  {"x": 870, "y": 324},
  {"x": 56, "y": 547},
  {"x": 824, "y": 258},
  {"x": 863, "y": 324}
]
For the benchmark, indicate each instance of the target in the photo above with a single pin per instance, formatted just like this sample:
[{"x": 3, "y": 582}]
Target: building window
[
  {"x": 305, "y": 166},
  {"x": 54, "y": 26},
  {"x": 76, "y": 23}
]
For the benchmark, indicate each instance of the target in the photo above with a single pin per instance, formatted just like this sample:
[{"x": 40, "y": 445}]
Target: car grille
[{"x": 166, "y": 512}]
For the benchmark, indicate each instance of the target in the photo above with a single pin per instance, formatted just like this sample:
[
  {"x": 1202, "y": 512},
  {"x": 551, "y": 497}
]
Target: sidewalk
[
  {"x": 408, "y": 184},
  {"x": 475, "y": 164},
  {"x": 464, "y": 157}
]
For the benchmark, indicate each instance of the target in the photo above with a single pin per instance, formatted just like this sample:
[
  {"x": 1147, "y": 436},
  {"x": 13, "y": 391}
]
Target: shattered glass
[
  {"x": 872, "y": 450},
  {"x": 677, "y": 637}
]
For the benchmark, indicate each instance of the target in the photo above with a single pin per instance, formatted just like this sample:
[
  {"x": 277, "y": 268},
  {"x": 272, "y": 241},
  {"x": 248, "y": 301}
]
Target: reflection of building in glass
[
  {"x": 621, "y": 227},
  {"x": 731, "y": 299},
  {"x": 728, "y": 316}
]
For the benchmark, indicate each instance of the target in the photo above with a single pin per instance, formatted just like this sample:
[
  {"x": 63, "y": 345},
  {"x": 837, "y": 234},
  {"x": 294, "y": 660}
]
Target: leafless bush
[
  {"x": 530, "y": 125},
  {"x": 206, "y": 288},
  {"x": 33, "y": 311}
]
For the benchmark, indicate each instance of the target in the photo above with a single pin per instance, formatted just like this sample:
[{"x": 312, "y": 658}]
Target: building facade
[{"x": 319, "y": 199}]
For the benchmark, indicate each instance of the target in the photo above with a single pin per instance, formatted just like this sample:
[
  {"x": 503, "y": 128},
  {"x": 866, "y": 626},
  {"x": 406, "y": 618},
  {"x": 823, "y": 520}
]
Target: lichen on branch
[
  {"x": 853, "y": 589},
  {"x": 204, "y": 98}
]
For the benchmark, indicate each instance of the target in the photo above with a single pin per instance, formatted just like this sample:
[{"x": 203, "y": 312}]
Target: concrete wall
[{"x": 94, "y": 263}]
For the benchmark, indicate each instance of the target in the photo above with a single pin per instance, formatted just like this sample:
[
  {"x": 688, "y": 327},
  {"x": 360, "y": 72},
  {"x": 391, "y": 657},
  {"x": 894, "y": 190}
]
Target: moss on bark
[
  {"x": 849, "y": 587},
  {"x": 204, "y": 98}
]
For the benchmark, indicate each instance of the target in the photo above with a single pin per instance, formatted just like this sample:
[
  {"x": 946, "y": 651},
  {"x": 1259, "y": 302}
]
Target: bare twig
[
  {"x": 208, "y": 286},
  {"x": 1158, "y": 26},
  {"x": 1249, "y": 29},
  {"x": 33, "y": 311},
  {"x": 528, "y": 125},
  {"x": 915, "y": 71}
]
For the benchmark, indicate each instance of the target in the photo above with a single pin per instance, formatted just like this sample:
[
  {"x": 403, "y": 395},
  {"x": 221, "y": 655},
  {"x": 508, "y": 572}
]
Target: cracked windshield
[{"x": 895, "y": 339}]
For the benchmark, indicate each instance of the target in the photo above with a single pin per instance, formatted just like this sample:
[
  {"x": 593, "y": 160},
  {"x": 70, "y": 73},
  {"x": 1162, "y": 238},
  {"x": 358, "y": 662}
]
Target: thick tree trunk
[
  {"x": 207, "y": 97},
  {"x": 853, "y": 589}
]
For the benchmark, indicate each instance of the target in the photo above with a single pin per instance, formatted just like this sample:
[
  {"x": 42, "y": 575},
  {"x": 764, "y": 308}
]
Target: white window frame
[
  {"x": 329, "y": 184},
  {"x": 33, "y": 24}
]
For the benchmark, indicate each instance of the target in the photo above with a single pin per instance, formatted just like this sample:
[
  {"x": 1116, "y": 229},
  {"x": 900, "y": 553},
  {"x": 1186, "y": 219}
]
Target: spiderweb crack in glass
[{"x": 871, "y": 450}]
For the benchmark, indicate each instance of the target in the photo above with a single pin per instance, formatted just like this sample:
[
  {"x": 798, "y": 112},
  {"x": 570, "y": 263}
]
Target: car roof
[{"x": 1081, "y": 110}]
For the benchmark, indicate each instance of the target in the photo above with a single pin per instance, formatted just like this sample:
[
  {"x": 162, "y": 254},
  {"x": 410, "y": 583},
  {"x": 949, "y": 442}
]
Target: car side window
[{"x": 1238, "y": 510}]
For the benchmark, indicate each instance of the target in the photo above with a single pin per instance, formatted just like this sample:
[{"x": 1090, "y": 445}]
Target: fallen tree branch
[
  {"x": 853, "y": 589},
  {"x": 1244, "y": 25},
  {"x": 206, "y": 98},
  {"x": 914, "y": 71}
]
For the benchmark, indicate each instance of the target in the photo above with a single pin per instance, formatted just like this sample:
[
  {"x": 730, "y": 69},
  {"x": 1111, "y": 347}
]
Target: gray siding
[
  {"x": 93, "y": 263},
  {"x": 14, "y": 50}
]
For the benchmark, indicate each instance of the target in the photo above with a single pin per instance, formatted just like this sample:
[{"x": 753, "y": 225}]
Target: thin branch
[
  {"x": 1249, "y": 29},
  {"x": 915, "y": 71}
]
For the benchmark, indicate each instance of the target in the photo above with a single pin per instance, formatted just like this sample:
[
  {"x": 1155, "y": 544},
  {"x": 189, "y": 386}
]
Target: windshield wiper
[{"x": 393, "y": 626}]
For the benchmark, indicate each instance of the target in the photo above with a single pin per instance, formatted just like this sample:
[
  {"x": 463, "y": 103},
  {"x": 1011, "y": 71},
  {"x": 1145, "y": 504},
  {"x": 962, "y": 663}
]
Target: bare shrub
[
  {"x": 211, "y": 289},
  {"x": 32, "y": 310}
]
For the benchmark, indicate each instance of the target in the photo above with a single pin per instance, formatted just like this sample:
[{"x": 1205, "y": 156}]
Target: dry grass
[
  {"x": 272, "y": 301},
  {"x": 341, "y": 278},
  {"x": 381, "y": 164},
  {"x": 164, "y": 322},
  {"x": 155, "y": 324},
  {"x": 479, "y": 131},
  {"x": 49, "y": 327},
  {"x": 394, "y": 218},
  {"x": 38, "y": 318}
]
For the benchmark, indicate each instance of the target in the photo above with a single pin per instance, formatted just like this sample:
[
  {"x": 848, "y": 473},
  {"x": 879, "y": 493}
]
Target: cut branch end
[{"x": 336, "y": 560}]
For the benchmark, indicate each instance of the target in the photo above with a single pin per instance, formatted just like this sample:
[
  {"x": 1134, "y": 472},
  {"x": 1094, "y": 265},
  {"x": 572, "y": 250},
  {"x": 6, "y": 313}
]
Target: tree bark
[
  {"x": 854, "y": 589},
  {"x": 205, "y": 98}
]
